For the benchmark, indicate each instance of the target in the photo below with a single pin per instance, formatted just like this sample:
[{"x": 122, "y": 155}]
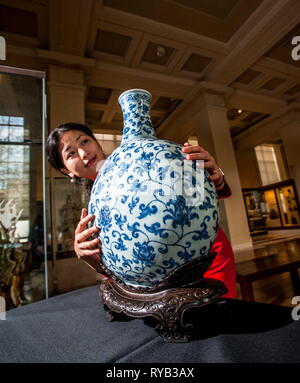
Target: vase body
[{"x": 155, "y": 209}]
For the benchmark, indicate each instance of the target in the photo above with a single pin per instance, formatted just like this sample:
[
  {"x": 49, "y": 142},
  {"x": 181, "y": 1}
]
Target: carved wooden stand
[{"x": 167, "y": 301}]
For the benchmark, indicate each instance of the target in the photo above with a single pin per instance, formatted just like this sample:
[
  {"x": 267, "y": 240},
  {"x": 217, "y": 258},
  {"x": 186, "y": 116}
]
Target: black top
[{"x": 73, "y": 328}]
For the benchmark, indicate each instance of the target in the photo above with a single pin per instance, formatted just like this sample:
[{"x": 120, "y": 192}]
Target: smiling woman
[
  {"x": 80, "y": 155},
  {"x": 73, "y": 150}
]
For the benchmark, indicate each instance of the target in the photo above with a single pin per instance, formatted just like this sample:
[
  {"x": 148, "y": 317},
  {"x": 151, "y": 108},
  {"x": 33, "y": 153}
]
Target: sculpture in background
[
  {"x": 12, "y": 258},
  {"x": 69, "y": 215}
]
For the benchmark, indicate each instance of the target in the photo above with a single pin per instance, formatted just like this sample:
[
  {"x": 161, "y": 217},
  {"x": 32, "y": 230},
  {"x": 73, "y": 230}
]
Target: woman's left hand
[{"x": 195, "y": 152}]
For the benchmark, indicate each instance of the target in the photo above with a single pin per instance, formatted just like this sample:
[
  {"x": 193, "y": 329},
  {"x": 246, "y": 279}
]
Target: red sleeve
[
  {"x": 225, "y": 192},
  {"x": 223, "y": 266}
]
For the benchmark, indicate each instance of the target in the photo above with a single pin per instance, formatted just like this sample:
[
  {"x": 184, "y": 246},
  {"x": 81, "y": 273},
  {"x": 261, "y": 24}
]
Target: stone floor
[{"x": 274, "y": 237}]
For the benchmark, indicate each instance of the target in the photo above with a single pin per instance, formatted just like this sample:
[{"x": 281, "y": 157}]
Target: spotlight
[{"x": 160, "y": 51}]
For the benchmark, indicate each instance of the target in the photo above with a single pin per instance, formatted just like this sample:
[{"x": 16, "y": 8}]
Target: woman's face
[{"x": 80, "y": 154}]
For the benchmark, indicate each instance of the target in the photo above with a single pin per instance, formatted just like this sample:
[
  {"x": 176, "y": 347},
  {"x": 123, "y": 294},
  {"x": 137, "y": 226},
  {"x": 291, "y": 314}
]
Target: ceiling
[{"x": 169, "y": 47}]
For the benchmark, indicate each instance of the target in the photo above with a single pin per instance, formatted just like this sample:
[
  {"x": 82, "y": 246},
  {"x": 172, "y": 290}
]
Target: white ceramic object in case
[{"x": 155, "y": 210}]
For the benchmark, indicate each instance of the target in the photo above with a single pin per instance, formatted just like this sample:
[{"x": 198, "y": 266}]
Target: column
[
  {"x": 66, "y": 96},
  {"x": 66, "y": 100},
  {"x": 212, "y": 130},
  {"x": 290, "y": 136}
]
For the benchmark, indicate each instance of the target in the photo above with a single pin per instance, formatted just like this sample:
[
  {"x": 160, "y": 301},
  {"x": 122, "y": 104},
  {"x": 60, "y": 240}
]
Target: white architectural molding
[
  {"x": 74, "y": 24},
  {"x": 66, "y": 86},
  {"x": 154, "y": 27},
  {"x": 254, "y": 102},
  {"x": 282, "y": 17},
  {"x": 143, "y": 73},
  {"x": 267, "y": 63},
  {"x": 66, "y": 58},
  {"x": 122, "y": 78},
  {"x": 95, "y": 106},
  {"x": 264, "y": 8},
  {"x": 214, "y": 87},
  {"x": 20, "y": 51},
  {"x": 268, "y": 129},
  {"x": 105, "y": 129},
  {"x": 205, "y": 93}
]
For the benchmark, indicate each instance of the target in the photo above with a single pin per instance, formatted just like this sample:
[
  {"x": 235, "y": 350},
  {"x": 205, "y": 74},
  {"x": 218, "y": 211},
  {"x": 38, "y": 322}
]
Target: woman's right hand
[{"x": 83, "y": 245}]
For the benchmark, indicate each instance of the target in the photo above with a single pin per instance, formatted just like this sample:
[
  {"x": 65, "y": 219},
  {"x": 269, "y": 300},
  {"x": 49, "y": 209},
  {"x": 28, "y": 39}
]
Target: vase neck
[{"x": 135, "y": 106}]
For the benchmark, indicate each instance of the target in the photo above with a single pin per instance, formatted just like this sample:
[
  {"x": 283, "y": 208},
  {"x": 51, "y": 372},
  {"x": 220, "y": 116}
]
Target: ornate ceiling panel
[
  {"x": 241, "y": 48},
  {"x": 215, "y": 19}
]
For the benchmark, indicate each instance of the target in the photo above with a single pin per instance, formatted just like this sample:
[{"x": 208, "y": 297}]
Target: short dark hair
[{"x": 52, "y": 145}]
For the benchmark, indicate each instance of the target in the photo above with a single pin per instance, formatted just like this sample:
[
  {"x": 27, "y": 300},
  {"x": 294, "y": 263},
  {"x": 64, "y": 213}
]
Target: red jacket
[{"x": 223, "y": 267}]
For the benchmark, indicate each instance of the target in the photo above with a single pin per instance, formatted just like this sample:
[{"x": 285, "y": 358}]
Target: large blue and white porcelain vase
[{"x": 156, "y": 210}]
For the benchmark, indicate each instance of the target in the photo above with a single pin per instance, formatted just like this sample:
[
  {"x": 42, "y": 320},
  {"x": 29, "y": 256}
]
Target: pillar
[
  {"x": 212, "y": 130},
  {"x": 290, "y": 136},
  {"x": 245, "y": 159},
  {"x": 66, "y": 95},
  {"x": 66, "y": 99}
]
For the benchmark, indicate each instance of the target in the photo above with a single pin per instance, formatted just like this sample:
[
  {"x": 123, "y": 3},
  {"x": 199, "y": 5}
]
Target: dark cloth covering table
[{"x": 73, "y": 328}]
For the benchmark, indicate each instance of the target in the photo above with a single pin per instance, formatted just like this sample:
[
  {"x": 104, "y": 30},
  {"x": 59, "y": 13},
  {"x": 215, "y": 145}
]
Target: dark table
[
  {"x": 260, "y": 268},
  {"x": 73, "y": 328}
]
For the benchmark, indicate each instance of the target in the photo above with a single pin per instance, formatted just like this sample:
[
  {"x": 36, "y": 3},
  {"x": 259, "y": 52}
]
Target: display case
[
  {"x": 67, "y": 202},
  {"x": 256, "y": 211},
  {"x": 288, "y": 205},
  {"x": 272, "y": 207}
]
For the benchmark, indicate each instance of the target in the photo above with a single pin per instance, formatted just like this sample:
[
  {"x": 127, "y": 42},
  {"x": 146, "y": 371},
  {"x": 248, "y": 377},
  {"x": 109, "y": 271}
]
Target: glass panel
[
  {"x": 4, "y": 120},
  {"x": 16, "y": 133},
  {"x": 288, "y": 205},
  {"x": 273, "y": 214},
  {"x": 256, "y": 211},
  {"x": 22, "y": 249},
  {"x": 4, "y": 132},
  {"x": 267, "y": 164},
  {"x": 69, "y": 200}
]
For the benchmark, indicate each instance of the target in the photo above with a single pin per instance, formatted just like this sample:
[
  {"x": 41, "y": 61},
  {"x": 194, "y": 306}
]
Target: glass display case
[
  {"x": 67, "y": 202},
  {"x": 23, "y": 250},
  {"x": 272, "y": 207},
  {"x": 256, "y": 211},
  {"x": 273, "y": 219},
  {"x": 288, "y": 205}
]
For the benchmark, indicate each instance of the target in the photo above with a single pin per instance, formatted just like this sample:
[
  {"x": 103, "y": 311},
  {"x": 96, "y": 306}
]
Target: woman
[{"x": 73, "y": 150}]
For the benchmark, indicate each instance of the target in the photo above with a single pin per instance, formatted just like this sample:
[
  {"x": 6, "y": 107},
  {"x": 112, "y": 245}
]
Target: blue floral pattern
[{"x": 149, "y": 223}]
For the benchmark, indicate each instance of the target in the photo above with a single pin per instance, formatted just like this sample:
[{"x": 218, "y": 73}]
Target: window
[
  {"x": 11, "y": 129},
  {"x": 14, "y": 163},
  {"x": 270, "y": 163}
]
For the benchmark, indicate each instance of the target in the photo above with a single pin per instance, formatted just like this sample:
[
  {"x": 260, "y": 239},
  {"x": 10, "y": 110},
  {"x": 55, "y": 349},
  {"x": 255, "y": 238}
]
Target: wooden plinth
[{"x": 165, "y": 303}]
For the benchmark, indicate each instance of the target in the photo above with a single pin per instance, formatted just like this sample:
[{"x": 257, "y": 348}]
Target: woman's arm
[{"x": 87, "y": 249}]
